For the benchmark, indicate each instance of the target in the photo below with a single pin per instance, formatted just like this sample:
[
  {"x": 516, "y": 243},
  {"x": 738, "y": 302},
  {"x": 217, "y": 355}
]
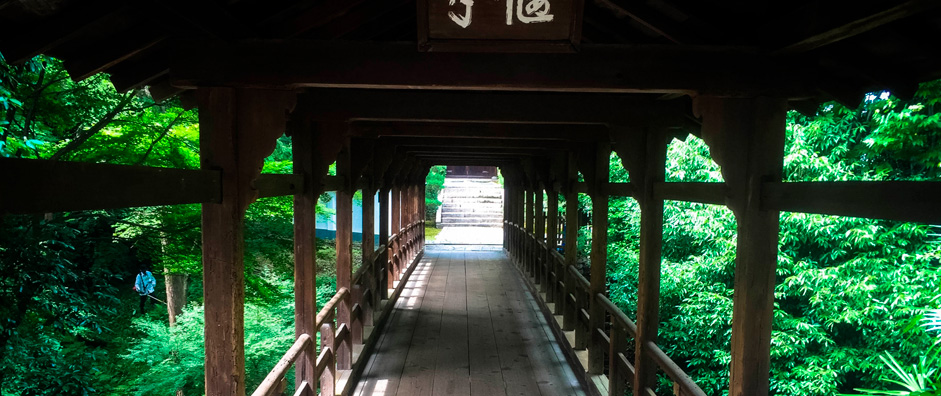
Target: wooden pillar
[
  {"x": 305, "y": 255},
  {"x": 746, "y": 138},
  {"x": 571, "y": 245},
  {"x": 651, "y": 240},
  {"x": 384, "y": 196},
  {"x": 599, "y": 258},
  {"x": 571, "y": 214},
  {"x": 239, "y": 128},
  {"x": 552, "y": 242},
  {"x": 520, "y": 222},
  {"x": 552, "y": 220},
  {"x": 369, "y": 225},
  {"x": 396, "y": 209},
  {"x": 540, "y": 216},
  {"x": 506, "y": 217},
  {"x": 539, "y": 230},
  {"x": 344, "y": 241}
]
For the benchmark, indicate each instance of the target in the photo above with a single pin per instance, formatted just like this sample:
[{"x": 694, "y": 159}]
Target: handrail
[
  {"x": 580, "y": 280},
  {"x": 370, "y": 262},
  {"x": 406, "y": 244},
  {"x": 617, "y": 314},
  {"x": 280, "y": 369},
  {"x": 675, "y": 373},
  {"x": 327, "y": 310},
  {"x": 573, "y": 300}
]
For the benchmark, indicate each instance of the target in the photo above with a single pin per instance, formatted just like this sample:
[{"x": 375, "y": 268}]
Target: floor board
[{"x": 467, "y": 325}]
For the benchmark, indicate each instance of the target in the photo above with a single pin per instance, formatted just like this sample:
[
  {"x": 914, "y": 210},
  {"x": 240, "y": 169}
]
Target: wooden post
[
  {"x": 396, "y": 209},
  {"x": 384, "y": 196},
  {"x": 506, "y": 217},
  {"x": 404, "y": 216},
  {"x": 651, "y": 240},
  {"x": 530, "y": 228},
  {"x": 746, "y": 138},
  {"x": 369, "y": 225},
  {"x": 539, "y": 232},
  {"x": 328, "y": 379},
  {"x": 599, "y": 258},
  {"x": 571, "y": 246},
  {"x": 305, "y": 254},
  {"x": 239, "y": 128},
  {"x": 552, "y": 242},
  {"x": 344, "y": 214},
  {"x": 617, "y": 382}
]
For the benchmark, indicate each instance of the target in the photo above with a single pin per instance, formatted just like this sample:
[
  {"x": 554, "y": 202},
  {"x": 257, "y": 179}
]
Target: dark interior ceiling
[{"x": 850, "y": 47}]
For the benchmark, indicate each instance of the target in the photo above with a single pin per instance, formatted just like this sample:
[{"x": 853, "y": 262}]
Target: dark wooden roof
[{"x": 841, "y": 48}]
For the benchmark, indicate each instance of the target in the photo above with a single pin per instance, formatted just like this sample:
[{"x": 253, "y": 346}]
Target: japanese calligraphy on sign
[{"x": 519, "y": 21}]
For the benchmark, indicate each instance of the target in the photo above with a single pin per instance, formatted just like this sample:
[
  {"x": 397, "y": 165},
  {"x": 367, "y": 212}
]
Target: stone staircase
[{"x": 471, "y": 203}]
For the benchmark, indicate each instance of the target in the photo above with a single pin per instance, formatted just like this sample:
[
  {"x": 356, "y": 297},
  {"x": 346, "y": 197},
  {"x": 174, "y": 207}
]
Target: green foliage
[
  {"x": 431, "y": 233},
  {"x": 434, "y": 182},
  {"x": 847, "y": 288},
  {"x": 173, "y": 356}
]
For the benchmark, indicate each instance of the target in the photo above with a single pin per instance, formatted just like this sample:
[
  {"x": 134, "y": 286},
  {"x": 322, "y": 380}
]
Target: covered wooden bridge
[{"x": 387, "y": 88}]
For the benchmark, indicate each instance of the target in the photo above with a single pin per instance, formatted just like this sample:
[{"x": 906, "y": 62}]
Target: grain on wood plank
[
  {"x": 486, "y": 376},
  {"x": 385, "y": 367},
  {"x": 548, "y": 370},
  {"x": 514, "y": 358},
  {"x": 452, "y": 376},
  {"x": 418, "y": 376}
]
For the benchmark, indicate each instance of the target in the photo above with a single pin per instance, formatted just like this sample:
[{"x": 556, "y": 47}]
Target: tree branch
[
  {"x": 86, "y": 134},
  {"x": 162, "y": 134}
]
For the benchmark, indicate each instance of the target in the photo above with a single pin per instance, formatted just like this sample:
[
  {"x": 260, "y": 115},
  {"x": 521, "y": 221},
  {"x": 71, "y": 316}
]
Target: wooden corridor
[{"x": 466, "y": 324}]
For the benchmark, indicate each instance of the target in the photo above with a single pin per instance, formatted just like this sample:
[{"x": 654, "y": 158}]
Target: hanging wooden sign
[{"x": 499, "y": 25}]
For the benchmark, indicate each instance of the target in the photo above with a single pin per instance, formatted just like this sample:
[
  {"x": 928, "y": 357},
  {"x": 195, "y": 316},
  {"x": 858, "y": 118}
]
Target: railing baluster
[
  {"x": 327, "y": 360},
  {"x": 617, "y": 384}
]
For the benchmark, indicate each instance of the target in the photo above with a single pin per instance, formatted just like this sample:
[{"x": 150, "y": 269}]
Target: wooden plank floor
[{"x": 467, "y": 325}]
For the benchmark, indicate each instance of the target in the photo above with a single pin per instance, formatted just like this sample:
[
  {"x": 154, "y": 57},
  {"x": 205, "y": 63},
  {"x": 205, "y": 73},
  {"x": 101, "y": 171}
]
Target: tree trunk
[{"x": 176, "y": 294}]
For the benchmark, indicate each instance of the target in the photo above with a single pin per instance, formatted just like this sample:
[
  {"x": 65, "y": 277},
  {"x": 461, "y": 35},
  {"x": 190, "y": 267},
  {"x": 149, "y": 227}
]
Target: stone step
[
  {"x": 466, "y": 213},
  {"x": 472, "y": 206},
  {"x": 473, "y": 201},
  {"x": 472, "y": 196},
  {"x": 470, "y": 216},
  {"x": 473, "y": 224}
]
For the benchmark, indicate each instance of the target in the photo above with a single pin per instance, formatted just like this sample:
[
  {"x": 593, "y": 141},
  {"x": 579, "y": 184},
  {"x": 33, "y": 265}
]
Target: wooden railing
[
  {"x": 569, "y": 291},
  {"x": 394, "y": 261}
]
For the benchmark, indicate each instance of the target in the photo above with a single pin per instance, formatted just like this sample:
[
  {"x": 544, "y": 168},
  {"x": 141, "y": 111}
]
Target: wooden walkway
[{"x": 467, "y": 325}]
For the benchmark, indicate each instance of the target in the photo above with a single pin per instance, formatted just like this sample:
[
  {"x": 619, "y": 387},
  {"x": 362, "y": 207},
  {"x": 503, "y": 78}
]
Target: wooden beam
[
  {"x": 141, "y": 69},
  {"x": 275, "y": 185},
  {"x": 894, "y": 200},
  {"x": 300, "y": 17},
  {"x": 490, "y": 134},
  {"x": 484, "y": 107},
  {"x": 87, "y": 59},
  {"x": 646, "y": 17},
  {"x": 161, "y": 90},
  {"x": 859, "y": 26},
  {"x": 622, "y": 69},
  {"x": 38, "y": 37},
  {"x": 457, "y": 143},
  {"x": 39, "y": 186},
  {"x": 708, "y": 193},
  {"x": 208, "y": 18},
  {"x": 359, "y": 15},
  {"x": 619, "y": 189}
]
